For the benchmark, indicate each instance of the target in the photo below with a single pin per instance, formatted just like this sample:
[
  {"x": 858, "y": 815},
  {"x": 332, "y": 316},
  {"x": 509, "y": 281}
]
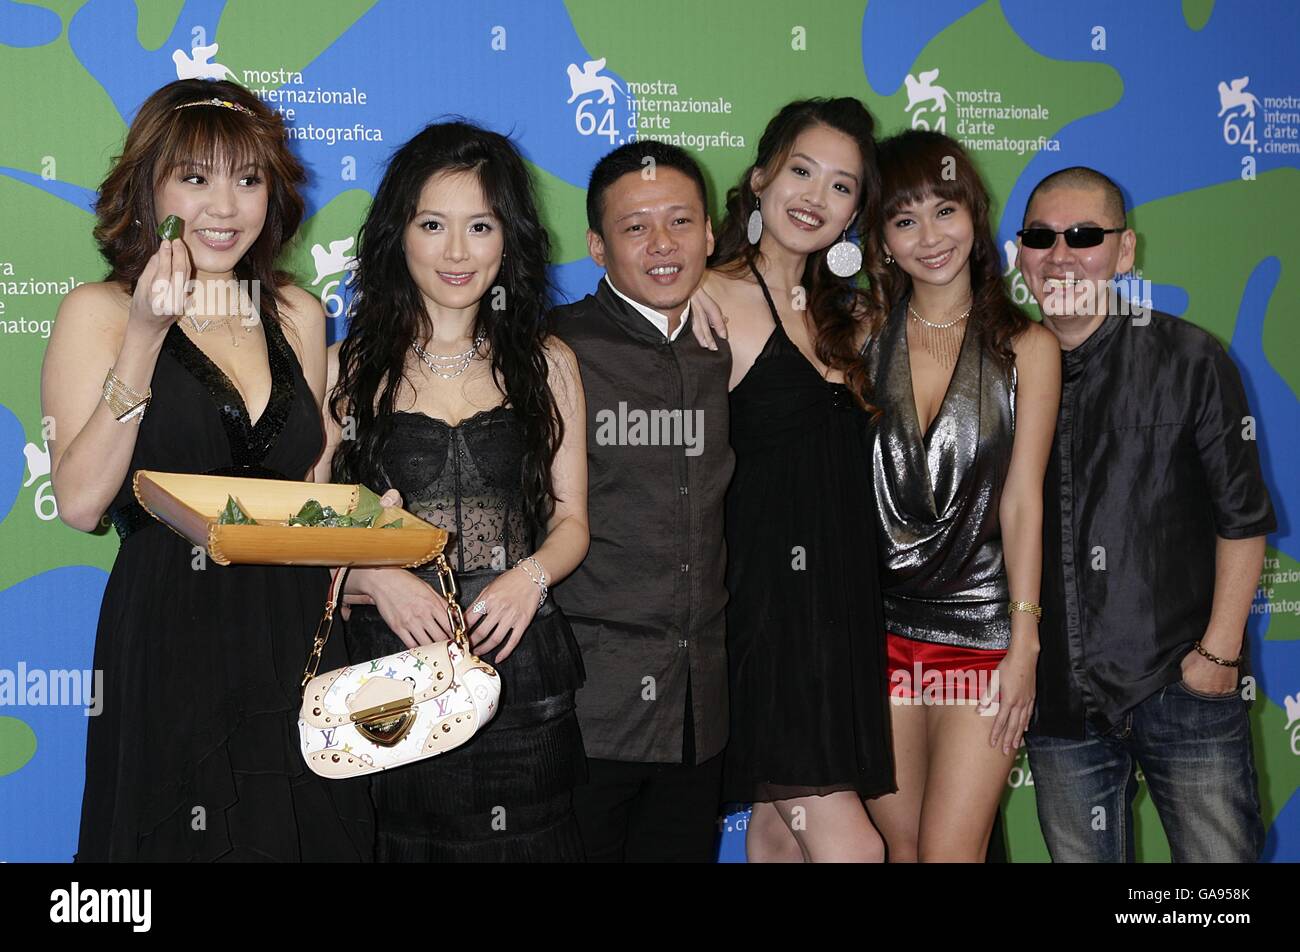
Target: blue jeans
[{"x": 1196, "y": 753}]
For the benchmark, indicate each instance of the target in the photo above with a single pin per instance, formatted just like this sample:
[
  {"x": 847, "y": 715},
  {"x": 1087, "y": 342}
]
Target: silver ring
[{"x": 480, "y": 606}]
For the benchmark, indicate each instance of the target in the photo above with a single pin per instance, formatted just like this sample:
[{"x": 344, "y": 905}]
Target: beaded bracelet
[
  {"x": 1235, "y": 662},
  {"x": 539, "y": 579}
]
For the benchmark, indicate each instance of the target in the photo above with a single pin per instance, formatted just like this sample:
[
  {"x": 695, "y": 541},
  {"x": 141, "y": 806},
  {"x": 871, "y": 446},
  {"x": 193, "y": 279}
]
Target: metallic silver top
[{"x": 937, "y": 494}]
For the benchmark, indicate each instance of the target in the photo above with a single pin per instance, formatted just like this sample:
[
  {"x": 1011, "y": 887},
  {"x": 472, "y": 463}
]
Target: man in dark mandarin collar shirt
[
  {"x": 1154, "y": 522},
  {"x": 648, "y": 603}
]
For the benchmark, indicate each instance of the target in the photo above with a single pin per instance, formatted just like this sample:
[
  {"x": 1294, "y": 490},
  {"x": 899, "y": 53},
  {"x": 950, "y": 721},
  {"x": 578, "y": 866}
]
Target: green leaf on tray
[
  {"x": 310, "y": 514},
  {"x": 368, "y": 507},
  {"x": 234, "y": 514},
  {"x": 313, "y": 514}
]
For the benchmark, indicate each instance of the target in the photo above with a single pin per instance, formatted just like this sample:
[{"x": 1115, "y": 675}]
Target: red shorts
[{"x": 926, "y": 672}]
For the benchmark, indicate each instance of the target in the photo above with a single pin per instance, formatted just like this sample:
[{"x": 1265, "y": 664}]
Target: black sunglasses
[{"x": 1080, "y": 236}]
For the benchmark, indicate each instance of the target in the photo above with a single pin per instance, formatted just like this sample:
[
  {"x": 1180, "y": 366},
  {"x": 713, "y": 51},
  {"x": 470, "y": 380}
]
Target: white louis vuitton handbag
[{"x": 397, "y": 709}]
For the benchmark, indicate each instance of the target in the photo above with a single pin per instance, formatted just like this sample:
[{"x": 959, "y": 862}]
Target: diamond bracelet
[{"x": 539, "y": 579}]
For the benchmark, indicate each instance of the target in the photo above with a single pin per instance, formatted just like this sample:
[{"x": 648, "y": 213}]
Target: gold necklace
[{"x": 944, "y": 348}]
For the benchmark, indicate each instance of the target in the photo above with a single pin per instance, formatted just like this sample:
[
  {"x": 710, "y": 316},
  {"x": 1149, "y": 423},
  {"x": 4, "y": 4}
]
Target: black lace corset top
[{"x": 465, "y": 479}]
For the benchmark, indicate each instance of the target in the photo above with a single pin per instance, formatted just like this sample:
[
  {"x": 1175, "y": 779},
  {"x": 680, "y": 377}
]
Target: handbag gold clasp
[{"x": 386, "y": 724}]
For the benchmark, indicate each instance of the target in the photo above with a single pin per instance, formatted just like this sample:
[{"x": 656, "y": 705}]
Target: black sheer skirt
[{"x": 505, "y": 795}]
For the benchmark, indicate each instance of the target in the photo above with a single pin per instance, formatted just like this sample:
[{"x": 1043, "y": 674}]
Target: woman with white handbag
[{"x": 449, "y": 389}]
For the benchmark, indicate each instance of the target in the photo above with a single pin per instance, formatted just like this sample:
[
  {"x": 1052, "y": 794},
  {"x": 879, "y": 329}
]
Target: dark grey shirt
[
  {"x": 1153, "y": 459},
  {"x": 647, "y": 604}
]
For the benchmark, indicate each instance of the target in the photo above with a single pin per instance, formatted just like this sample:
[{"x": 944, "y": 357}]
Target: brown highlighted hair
[
  {"x": 837, "y": 305},
  {"x": 918, "y": 165},
  {"x": 163, "y": 137}
]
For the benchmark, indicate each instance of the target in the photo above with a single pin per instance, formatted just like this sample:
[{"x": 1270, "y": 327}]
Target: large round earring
[
  {"x": 844, "y": 257},
  {"x": 754, "y": 228}
]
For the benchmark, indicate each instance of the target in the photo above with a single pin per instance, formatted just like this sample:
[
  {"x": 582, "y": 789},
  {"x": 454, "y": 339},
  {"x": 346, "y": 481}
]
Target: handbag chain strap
[
  {"x": 446, "y": 582},
  {"x": 455, "y": 618}
]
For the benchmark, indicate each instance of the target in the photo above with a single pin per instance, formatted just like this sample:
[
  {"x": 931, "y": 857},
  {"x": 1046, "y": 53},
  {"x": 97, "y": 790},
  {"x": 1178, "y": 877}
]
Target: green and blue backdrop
[{"x": 1192, "y": 106}]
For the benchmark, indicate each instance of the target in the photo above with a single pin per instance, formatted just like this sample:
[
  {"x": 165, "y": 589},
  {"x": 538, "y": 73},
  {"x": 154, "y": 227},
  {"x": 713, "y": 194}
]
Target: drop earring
[
  {"x": 889, "y": 259},
  {"x": 844, "y": 257},
  {"x": 754, "y": 228}
]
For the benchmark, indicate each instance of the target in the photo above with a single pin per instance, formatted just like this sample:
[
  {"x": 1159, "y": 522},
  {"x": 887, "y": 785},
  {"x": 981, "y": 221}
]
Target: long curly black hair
[{"x": 388, "y": 314}]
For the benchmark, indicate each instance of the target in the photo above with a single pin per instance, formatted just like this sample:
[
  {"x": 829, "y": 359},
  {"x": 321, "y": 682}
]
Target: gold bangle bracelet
[
  {"x": 1027, "y": 607},
  {"x": 136, "y": 412},
  {"x": 113, "y": 382},
  {"x": 122, "y": 408},
  {"x": 123, "y": 402}
]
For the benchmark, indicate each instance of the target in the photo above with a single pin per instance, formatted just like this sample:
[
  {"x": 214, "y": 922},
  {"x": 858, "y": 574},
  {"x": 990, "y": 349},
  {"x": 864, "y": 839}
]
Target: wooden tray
[{"x": 189, "y": 504}]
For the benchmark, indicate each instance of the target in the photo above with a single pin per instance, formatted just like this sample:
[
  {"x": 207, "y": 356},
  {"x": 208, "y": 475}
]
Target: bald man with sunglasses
[{"x": 1154, "y": 520}]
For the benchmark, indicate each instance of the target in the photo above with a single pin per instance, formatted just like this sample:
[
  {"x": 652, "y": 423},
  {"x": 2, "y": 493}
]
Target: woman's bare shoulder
[
  {"x": 97, "y": 298},
  {"x": 301, "y": 306},
  {"x": 1036, "y": 343},
  {"x": 560, "y": 357},
  {"x": 724, "y": 283},
  {"x": 93, "y": 311}
]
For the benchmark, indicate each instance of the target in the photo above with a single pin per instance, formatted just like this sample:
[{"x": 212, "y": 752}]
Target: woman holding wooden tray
[
  {"x": 451, "y": 390},
  {"x": 196, "y": 356}
]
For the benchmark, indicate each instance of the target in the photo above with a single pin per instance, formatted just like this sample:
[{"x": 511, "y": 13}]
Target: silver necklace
[
  {"x": 234, "y": 339},
  {"x": 449, "y": 366},
  {"x": 248, "y": 318}
]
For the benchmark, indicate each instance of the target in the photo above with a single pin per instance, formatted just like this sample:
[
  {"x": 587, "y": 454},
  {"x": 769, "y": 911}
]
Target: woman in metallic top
[{"x": 968, "y": 390}]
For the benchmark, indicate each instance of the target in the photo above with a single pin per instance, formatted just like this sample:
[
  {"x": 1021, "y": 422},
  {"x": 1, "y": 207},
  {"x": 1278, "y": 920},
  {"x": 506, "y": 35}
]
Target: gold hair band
[{"x": 214, "y": 101}]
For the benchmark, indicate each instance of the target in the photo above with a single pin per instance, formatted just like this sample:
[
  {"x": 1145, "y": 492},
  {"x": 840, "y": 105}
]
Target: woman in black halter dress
[
  {"x": 202, "y": 662},
  {"x": 195, "y": 755},
  {"x": 805, "y": 630},
  {"x": 804, "y": 616}
]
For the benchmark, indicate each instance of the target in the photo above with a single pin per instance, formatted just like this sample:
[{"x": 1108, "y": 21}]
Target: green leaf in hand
[{"x": 171, "y": 227}]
